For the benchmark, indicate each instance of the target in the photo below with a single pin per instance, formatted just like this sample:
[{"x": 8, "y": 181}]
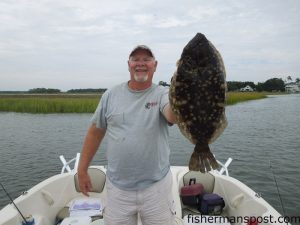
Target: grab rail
[
  {"x": 224, "y": 167},
  {"x": 66, "y": 165},
  {"x": 67, "y": 169}
]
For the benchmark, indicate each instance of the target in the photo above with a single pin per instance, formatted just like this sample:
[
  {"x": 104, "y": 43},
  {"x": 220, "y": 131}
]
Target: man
[{"x": 134, "y": 116}]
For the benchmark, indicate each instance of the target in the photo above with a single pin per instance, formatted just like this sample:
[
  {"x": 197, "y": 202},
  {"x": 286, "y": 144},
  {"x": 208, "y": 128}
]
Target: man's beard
[{"x": 141, "y": 79}]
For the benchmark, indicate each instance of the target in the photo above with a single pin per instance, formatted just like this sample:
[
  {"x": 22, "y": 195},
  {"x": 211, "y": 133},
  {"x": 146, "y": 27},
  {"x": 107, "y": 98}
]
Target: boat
[{"x": 50, "y": 202}]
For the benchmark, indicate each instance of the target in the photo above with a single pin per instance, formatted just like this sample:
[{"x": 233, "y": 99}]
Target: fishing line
[
  {"x": 277, "y": 189},
  {"x": 12, "y": 201}
]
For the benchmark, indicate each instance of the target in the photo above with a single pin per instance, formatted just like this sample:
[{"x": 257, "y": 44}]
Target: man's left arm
[{"x": 168, "y": 114}]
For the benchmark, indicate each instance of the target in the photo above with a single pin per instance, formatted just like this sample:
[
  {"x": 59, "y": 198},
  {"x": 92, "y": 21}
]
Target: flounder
[{"x": 198, "y": 97}]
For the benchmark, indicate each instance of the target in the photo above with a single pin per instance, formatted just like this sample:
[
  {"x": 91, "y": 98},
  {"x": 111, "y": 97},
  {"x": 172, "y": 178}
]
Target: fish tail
[{"x": 202, "y": 159}]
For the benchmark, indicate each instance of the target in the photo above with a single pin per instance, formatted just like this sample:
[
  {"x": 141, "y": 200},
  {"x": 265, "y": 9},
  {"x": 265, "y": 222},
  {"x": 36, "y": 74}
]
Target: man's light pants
[{"x": 154, "y": 204}]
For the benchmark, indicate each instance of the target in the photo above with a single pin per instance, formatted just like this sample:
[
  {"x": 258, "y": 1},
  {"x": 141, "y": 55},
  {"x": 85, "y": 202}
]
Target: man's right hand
[
  {"x": 91, "y": 144},
  {"x": 85, "y": 183}
]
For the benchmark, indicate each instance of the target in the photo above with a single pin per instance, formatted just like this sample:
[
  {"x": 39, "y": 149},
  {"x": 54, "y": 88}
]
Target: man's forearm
[
  {"x": 90, "y": 146},
  {"x": 169, "y": 115}
]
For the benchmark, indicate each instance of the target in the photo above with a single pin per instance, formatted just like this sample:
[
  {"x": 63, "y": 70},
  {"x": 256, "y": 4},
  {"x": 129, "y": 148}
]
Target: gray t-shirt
[{"x": 137, "y": 134}]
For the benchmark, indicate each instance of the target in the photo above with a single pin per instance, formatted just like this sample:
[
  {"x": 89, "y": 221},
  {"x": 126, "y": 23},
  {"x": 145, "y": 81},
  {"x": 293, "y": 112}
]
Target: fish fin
[
  {"x": 202, "y": 159},
  {"x": 194, "y": 164}
]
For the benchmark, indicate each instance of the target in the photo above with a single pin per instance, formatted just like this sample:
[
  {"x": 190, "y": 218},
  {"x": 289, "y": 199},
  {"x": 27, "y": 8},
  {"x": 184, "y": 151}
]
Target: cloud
[
  {"x": 171, "y": 22},
  {"x": 51, "y": 41}
]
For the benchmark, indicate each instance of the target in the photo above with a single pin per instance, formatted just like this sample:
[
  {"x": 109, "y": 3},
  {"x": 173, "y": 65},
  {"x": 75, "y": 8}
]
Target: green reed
[
  {"x": 66, "y": 103},
  {"x": 235, "y": 97},
  {"x": 49, "y": 103}
]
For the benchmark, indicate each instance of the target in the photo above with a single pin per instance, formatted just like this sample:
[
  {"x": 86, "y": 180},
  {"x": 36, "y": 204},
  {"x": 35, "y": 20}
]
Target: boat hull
[{"x": 45, "y": 200}]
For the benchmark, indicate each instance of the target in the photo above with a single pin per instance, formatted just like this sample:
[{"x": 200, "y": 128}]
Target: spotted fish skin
[{"x": 197, "y": 97}]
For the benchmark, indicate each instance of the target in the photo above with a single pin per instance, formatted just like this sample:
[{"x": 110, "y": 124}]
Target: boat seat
[
  {"x": 206, "y": 179},
  {"x": 63, "y": 213},
  {"x": 98, "y": 179}
]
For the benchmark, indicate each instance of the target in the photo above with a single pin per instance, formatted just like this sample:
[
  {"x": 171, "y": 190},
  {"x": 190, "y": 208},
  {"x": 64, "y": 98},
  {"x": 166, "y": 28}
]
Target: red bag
[{"x": 191, "y": 194}]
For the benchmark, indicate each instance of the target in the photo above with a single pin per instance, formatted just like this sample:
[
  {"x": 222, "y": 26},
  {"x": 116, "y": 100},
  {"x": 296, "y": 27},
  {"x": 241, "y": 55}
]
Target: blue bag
[{"x": 212, "y": 204}]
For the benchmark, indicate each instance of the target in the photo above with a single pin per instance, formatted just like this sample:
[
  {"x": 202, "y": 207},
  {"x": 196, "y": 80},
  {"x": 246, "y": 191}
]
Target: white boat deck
[{"x": 52, "y": 198}]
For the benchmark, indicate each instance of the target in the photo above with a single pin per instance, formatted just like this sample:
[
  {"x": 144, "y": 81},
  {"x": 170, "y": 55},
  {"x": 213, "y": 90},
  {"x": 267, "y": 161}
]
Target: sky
[{"x": 68, "y": 44}]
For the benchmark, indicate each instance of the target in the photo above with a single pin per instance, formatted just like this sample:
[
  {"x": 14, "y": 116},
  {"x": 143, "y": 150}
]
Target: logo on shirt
[{"x": 150, "y": 104}]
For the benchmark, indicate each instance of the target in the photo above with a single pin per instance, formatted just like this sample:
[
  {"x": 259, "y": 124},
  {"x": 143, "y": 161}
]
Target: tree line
[
  {"x": 270, "y": 85},
  {"x": 273, "y": 84}
]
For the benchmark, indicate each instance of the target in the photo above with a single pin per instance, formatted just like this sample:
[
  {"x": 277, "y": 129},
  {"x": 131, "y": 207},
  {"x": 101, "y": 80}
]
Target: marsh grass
[
  {"x": 236, "y": 97},
  {"x": 49, "y": 103},
  {"x": 80, "y": 103}
]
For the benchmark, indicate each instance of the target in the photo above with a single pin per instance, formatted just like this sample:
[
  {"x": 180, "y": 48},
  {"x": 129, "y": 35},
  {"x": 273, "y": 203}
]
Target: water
[{"x": 262, "y": 137}]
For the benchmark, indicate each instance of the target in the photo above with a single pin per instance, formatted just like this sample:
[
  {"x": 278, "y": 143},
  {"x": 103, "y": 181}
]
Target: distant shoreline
[{"x": 84, "y": 102}]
